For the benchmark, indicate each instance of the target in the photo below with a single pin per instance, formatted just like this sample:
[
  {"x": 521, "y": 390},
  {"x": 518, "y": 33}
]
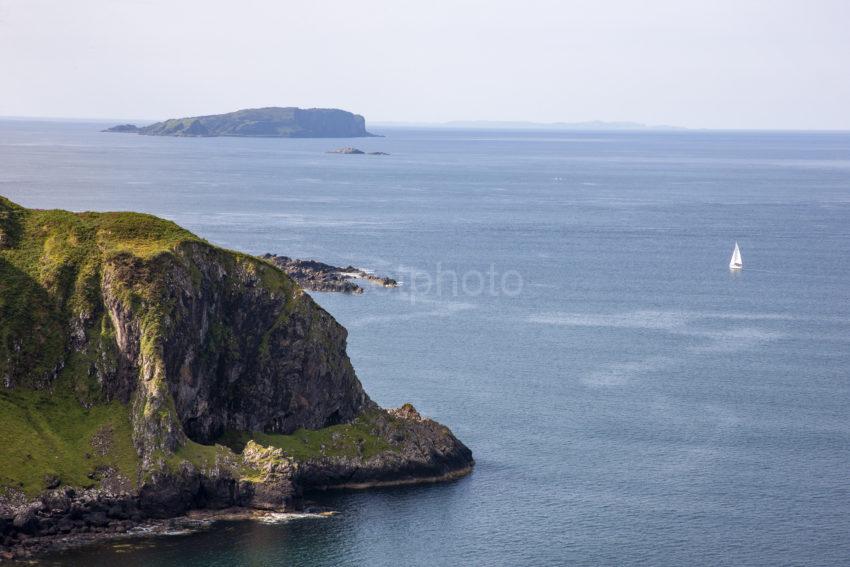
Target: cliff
[
  {"x": 146, "y": 372},
  {"x": 272, "y": 122}
]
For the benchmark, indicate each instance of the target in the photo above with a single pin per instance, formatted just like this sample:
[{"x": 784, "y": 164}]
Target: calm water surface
[{"x": 633, "y": 404}]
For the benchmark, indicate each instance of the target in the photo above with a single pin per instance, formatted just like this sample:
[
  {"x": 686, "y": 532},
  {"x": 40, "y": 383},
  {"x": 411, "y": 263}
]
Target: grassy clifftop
[{"x": 50, "y": 262}]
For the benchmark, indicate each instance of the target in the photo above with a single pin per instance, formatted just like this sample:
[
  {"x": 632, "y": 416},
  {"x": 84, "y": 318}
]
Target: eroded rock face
[
  {"x": 230, "y": 352},
  {"x": 420, "y": 450}
]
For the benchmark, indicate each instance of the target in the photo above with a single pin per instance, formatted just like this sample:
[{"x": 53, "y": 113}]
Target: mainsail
[{"x": 736, "y": 263}]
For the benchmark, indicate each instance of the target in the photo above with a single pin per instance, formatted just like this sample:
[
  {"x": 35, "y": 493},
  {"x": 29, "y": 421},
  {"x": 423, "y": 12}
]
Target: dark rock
[
  {"x": 318, "y": 276},
  {"x": 51, "y": 481},
  {"x": 56, "y": 501},
  {"x": 346, "y": 150},
  {"x": 65, "y": 525},
  {"x": 26, "y": 522},
  {"x": 167, "y": 496},
  {"x": 97, "y": 519},
  {"x": 117, "y": 511},
  {"x": 77, "y": 511},
  {"x": 422, "y": 449}
]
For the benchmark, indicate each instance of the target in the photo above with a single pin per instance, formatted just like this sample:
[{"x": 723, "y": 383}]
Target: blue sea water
[{"x": 628, "y": 400}]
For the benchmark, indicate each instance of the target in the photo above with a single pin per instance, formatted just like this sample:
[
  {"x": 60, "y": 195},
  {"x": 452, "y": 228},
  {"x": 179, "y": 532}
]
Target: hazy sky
[{"x": 715, "y": 63}]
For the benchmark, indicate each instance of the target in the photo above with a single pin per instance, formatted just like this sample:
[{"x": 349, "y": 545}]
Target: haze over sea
[{"x": 634, "y": 403}]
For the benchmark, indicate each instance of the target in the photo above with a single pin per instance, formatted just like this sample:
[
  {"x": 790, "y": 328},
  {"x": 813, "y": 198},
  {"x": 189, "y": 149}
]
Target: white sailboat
[{"x": 736, "y": 263}]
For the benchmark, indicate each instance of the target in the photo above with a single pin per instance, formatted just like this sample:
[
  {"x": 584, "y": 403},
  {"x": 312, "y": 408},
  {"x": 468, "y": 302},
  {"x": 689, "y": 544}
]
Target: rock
[
  {"x": 117, "y": 512},
  {"x": 422, "y": 450},
  {"x": 318, "y": 276},
  {"x": 97, "y": 519},
  {"x": 407, "y": 411},
  {"x": 65, "y": 526},
  {"x": 77, "y": 511},
  {"x": 26, "y": 521},
  {"x": 101, "y": 441},
  {"x": 51, "y": 481},
  {"x": 277, "y": 491},
  {"x": 124, "y": 129},
  {"x": 56, "y": 501},
  {"x": 354, "y": 151}
]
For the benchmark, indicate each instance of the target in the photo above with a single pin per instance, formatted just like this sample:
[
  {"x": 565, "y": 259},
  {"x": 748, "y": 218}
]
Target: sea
[{"x": 566, "y": 308}]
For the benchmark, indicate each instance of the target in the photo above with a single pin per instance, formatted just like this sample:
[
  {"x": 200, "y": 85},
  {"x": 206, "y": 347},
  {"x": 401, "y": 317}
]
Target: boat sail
[{"x": 736, "y": 263}]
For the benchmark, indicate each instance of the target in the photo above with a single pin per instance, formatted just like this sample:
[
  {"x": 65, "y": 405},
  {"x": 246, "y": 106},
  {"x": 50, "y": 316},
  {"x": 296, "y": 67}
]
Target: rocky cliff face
[
  {"x": 222, "y": 341},
  {"x": 197, "y": 338},
  {"x": 129, "y": 348},
  {"x": 272, "y": 122}
]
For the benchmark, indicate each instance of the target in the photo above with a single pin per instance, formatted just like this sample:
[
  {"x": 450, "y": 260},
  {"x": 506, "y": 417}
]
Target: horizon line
[{"x": 485, "y": 124}]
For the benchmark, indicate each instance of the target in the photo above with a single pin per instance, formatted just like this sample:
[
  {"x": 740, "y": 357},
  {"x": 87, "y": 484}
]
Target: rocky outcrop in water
[
  {"x": 421, "y": 450},
  {"x": 348, "y": 150},
  {"x": 123, "y": 129},
  {"x": 318, "y": 276}
]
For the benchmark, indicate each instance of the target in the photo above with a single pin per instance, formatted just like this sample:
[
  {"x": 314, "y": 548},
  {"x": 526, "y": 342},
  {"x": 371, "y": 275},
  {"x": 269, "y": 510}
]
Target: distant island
[
  {"x": 271, "y": 122},
  {"x": 524, "y": 125}
]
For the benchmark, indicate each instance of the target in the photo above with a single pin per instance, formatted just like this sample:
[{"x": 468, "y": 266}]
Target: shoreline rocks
[{"x": 417, "y": 451}]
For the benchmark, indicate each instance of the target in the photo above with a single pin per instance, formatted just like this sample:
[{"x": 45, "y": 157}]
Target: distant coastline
[{"x": 526, "y": 125}]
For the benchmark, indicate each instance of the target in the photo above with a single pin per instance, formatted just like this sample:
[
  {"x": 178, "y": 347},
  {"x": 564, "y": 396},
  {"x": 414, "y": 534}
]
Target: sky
[{"x": 748, "y": 64}]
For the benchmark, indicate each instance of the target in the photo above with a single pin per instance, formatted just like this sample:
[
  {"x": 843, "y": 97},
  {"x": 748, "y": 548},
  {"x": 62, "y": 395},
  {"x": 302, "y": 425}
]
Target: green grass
[
  {"x": 43, "y": 433},
  {"x": 204, "y": 457},
  {"x": 50, "y": 270},
  {"x": 346, "y": 440}
]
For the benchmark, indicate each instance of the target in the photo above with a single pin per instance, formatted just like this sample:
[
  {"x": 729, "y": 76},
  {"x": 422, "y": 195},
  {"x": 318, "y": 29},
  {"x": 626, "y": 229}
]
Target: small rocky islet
[
  {"x": 317, "y": 276},
  {"x": 147, "y": 373},
  {"x": 348, "y": 150}
]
